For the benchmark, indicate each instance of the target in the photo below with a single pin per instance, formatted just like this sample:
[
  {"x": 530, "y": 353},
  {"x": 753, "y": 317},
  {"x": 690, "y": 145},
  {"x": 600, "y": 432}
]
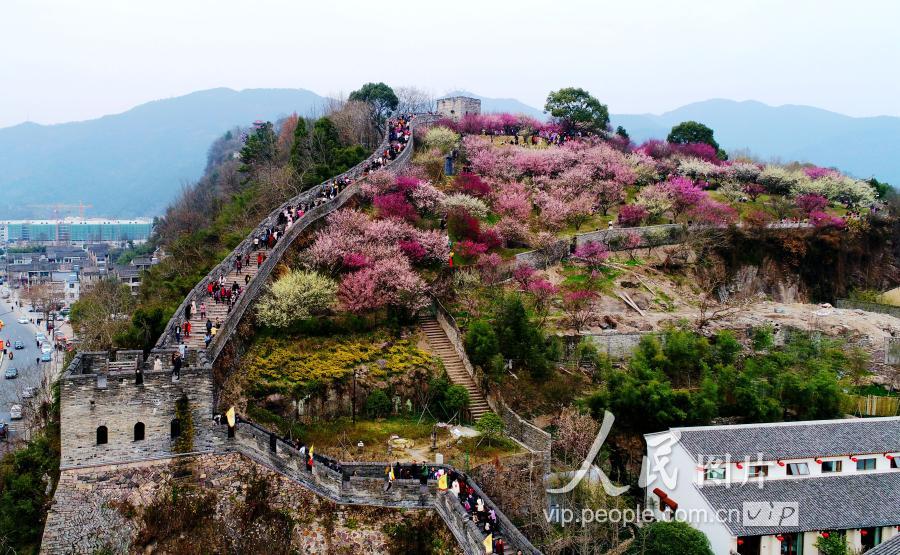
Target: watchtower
[{"x": 456, "y": 107}]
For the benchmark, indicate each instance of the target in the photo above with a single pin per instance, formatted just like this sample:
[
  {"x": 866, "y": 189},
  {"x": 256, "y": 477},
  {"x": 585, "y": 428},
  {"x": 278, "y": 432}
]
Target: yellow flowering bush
[{"x": 281, "y": 364}]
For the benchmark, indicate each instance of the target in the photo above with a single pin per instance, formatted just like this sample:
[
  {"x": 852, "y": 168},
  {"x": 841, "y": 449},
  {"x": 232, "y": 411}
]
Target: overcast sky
[{"x": 64, "y": 60}]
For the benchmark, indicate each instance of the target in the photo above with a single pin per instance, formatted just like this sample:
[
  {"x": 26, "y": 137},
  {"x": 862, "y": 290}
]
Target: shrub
[
  {"x": 632, "y": 215},
  {"x": 456, "y": 399},
  {"x": 463, "y": 225},
  {"x": 296, "y": 296},
  {"x": 471, "y": 184},
  {"x": 459, "y": 201},
  {"x": 378, "y": 404},
  {"x": 667, "y": 537},
  {"x": 395, "y": 205},
  {"x": 490, "y": 425},
  {"x": 441, "y": 138}
]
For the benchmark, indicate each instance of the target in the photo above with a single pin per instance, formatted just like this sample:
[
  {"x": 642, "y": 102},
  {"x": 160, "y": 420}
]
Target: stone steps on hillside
[{"x": 440, "y": 345}]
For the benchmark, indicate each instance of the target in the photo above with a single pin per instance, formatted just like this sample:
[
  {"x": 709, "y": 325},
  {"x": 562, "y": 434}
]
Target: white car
[
  {"x": 22, "y": 320},
  {"x": 28, "y": 393},
  {"x": 15, "y": 412},
  {"x": 46, "y": 348}
]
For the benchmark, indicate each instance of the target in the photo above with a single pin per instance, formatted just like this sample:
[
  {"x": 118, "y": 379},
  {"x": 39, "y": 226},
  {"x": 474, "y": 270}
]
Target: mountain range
[{"x": 132, "y": 164}]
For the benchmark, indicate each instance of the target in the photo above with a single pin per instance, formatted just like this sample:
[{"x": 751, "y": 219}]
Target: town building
[
  {"x": 76, "y": 231},
  {"x": 773, "y": 489},
  {"x": 457, "y": 107}
]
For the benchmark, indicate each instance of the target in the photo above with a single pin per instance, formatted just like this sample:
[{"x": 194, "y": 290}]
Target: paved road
[{"x": 31, "y": 372}]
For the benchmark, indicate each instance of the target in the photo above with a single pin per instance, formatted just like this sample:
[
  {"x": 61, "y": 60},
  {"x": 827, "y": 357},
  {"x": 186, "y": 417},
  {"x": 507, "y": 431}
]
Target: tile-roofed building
[
  {"x": 837, "y": 477},
  {"x": 890, "y": 547},
  {"x": 792, "y": 440},
  {"x": 865, "y": 501}
]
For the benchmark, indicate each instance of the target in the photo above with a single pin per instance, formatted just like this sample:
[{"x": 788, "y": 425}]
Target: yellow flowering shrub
[{"x": 280, "y": 364}]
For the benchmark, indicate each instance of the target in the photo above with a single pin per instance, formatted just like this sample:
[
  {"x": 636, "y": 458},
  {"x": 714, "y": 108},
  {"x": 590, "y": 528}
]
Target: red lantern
[
  {"x": 889, "y": 456},
  {"x": 780, "y": 463},
  {"x": 825, "y": 535},
  {"x": 863, "y": 532},
  {"x": 854, "y": 459},
  {"x": 779, "y": 537},
  {"x": 819, "y": 461},
  {"x": 739, "y": 465},
  {"x": 740, "y": 541}
]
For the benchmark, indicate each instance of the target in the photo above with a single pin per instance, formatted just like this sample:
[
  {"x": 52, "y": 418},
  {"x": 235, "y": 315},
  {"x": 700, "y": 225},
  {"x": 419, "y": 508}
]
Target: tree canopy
[
  {"x": 380, "y": 96},
  {"x": 692, "y": 132},
  {"x": 664, "y": 537},
  {"x": 577, "y": 110}
]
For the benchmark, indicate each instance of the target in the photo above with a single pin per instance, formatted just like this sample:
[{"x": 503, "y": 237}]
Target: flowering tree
[
  {"x": 463, "y": 225},
  {"x": 470, "y": 249},
  {"x": 426, "y": 197},
  {"x": 743, "y": 172},
  {"x": 522, "y": 275},
  {"x": 489, "y": 267},
  {"x": 655, "y": 200},
  {"x": 395, "y": 205},
  {"x": 380, "y": 182},
  {"x": 471, "y": 184},
  {"x": 609, "y": 194},
  {"x": 685, "y": 195},
  {"x": 513, "y": 229},
  {"x": 757, "y": 219},
  {"x": 471, "y": 205},
  {"x": 296, "y": 296},
  {"x": 593, "y": 253},
  {"x": 388, "y": 282},
  {"x": 631, "y": 215},
  {"x": 441, "y": 138},
  {"x": 513, "y": 200},
  {"x": 810, "y": 203},
  {"x": 541, "y": 292},
  {"x": 631, "y": 242},
  {"x": 714, "y": 213},
  {"x": 753, "y": 190},
  {"x": 578, "y": 306}
]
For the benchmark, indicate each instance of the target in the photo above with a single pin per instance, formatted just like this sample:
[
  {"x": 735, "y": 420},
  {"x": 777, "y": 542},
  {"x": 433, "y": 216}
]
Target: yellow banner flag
[
  {"x": 442, "y": 482},
  {"x": 489, "y": 544},
  {"x": 311, "y": 451},
  {"x": 229, "y": 416}
]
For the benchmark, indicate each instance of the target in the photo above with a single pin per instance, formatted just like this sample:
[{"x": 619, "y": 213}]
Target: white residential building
[{"x": 773, "y": 489}]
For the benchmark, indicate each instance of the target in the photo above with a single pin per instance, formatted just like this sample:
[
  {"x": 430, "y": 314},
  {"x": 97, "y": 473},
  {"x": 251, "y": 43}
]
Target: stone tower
[{"x": 455, "y": 107}]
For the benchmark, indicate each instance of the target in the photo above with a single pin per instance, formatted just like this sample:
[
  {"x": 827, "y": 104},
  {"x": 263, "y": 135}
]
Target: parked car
[
  {"x": 40, "y": 338},
  {"x": 18, "y": 345},
  {"x": 15, "y": 412},
  {"x": 46, "y": 357},
  {"x": 28, "y": 393},
  {"x": 4, "y": 430},
  {"x": 22, "y": 320},
  {"x": 11, "y": 373},
  {"x": 46, "y": 347}
]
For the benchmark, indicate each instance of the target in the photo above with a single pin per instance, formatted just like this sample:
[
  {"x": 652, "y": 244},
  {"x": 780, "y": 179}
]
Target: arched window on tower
[
  {"x": 175, "y": 429},
  {"x": 139, "y": 431}
]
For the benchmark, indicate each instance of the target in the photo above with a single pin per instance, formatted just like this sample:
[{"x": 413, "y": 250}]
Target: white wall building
[{"x": 773, "y": 489}]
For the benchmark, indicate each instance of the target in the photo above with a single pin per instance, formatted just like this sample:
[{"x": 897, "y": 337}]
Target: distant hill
[
  {"x": 863, "y": 147},
  {"x": 133, "y": 163}
]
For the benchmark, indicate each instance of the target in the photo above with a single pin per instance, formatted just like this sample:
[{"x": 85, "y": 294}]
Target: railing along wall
[
  {"x": 197, "y": 294},
  {"x": 353, "y": 483}
]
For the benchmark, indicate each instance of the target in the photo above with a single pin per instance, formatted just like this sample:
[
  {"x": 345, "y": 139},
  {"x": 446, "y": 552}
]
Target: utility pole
[{"x": 353, "y": 397}]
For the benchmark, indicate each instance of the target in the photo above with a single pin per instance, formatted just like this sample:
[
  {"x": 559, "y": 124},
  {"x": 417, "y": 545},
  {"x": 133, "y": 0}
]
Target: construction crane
[{"x": 59, "y": 208}]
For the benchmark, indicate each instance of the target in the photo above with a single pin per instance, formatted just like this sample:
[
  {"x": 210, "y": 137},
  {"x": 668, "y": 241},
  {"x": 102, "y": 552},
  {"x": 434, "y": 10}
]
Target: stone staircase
[
  {"x": 441, "y": 346},
  {"x": 218, "y": 312}
]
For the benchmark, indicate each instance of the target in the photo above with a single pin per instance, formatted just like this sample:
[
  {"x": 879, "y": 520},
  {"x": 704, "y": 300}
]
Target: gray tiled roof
[
  {"x": 825, "y": 503},
  {"x": 795, "y": 440},
  {"x": 890, "y": 547}
]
